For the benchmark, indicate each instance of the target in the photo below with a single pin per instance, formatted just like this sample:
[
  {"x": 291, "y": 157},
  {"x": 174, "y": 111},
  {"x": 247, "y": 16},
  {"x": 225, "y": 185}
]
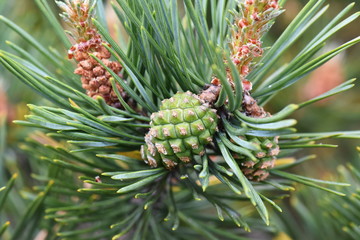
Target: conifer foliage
[{"x": 165, "y": 136}]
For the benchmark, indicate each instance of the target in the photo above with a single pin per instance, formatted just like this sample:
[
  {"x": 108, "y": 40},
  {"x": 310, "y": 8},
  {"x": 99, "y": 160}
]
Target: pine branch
[{"x": 179, "y": 98}]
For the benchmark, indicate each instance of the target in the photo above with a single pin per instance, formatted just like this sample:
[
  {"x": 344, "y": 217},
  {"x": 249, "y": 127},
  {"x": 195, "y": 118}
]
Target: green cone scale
[
  {"x": 180, "y": 130},
  {"x": 257, "y": 170}
]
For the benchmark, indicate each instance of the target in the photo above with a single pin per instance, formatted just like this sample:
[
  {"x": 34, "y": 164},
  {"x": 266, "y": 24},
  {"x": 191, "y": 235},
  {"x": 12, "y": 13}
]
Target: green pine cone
[
  {"x": 265, "y": 158},
  {"x": 180, "y": 130}
]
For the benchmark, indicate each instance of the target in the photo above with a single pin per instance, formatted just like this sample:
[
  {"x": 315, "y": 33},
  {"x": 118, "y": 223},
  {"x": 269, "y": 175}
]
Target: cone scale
[{"x": 265, "y": 158}]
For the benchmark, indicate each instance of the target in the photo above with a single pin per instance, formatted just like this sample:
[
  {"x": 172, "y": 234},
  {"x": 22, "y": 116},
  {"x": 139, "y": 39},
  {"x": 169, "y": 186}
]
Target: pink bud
[
  {"x": 254, "y": 41},
  {"x": 242, "y": 23},
  {"x": 274, "y": 5},
  {"x": 255, "y": 16},
  {"x": 215, "y": 81},
  {"x": 70, "y": 54},
  {"x": 256, "y": 51},
  {"x": 249, "y": 2},
  {"x": 245, "y": 50},
  {"x": 247, "y": 85},
  {"x": 236, "y": 61},
  {"x": 98, "y": 179},
  {"x": 245, "y": 70}
]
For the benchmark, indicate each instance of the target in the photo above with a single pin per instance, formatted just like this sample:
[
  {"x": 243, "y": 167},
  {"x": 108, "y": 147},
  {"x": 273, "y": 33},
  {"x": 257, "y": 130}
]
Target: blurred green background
[
  {"x": 14, "y": 97},
  {"x": 341, "y": 112}
]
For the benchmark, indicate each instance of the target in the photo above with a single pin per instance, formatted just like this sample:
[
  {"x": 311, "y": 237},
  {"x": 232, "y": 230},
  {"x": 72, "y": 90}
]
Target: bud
[
  {"x": 94, "y": 77},
  {"x": 247, "y": 45}
]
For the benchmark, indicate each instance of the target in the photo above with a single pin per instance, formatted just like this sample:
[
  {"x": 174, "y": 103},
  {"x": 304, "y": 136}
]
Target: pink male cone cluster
[
  {"x": 246, "y": 34},
  {"x": 94, "y": 77}
]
